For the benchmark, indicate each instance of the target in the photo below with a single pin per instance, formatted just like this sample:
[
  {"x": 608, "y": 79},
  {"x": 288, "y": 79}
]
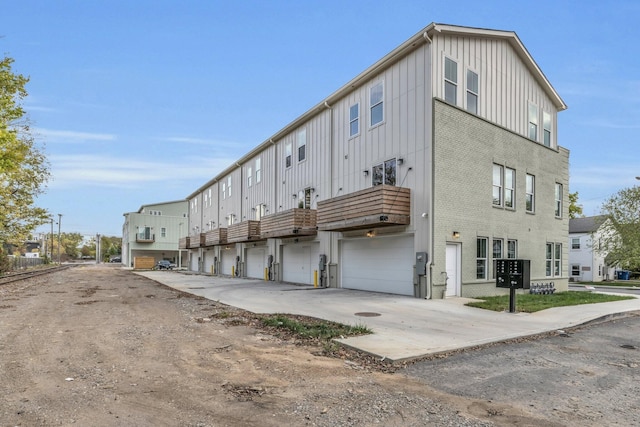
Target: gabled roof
[{"x": 586, "y": 225}]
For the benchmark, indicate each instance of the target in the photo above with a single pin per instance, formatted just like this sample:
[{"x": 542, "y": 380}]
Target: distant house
[
  {"x": 586, "y": 263},
  {"x": 153, "y": 231}
]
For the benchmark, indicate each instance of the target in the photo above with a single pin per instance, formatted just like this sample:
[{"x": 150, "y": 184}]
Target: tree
[
  {"x": 575, "y": 210},
  {"x": 621, "y": 239},
  {"x": 24, "y": 170}
]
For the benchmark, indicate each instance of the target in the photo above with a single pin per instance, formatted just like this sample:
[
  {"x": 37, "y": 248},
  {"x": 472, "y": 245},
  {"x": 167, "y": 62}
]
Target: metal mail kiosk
[{"x": 513, "y": 273}]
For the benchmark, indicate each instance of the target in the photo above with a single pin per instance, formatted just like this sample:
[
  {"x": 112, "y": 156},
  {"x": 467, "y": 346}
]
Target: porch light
[
  {"x": 365, "y": 172},
  {"x": 456, "y": 234}
]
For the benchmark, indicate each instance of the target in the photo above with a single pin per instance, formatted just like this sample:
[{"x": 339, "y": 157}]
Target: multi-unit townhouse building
[
  {"x": 410, "y": 179},
  {"x": 153, "y": 231},
  {"x": 587, "y": 257}
]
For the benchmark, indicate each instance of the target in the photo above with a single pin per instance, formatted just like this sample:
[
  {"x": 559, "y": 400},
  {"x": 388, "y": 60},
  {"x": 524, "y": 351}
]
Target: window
[
  {"x": 450, "y": 81},
  {"x": 575, "y": 269},
  {"x": 258, "y": 171},
  {"x": 302, "y": 145},
  {"x": 497, "y": 185},
  {"x": 229, "y": 186},
  {"x": 304, "y": 198},
  {"x": 249, "y": 176},
  {"x": 224, "y": 190},
  {"x": 558, "y": 198},
  {"x": 553, "y": 259},
  {"x": 163, "y": 232},
  {"x": 575, "y": 243},
  {"x": 354, "y": 120},
  {"x": 210, "y": 199},
  {"x": 472, "y": 92},
  {"x": 260, "y": 209},
  {"x": 512, "y": 249},
  {"x": 481, "y": 258},
  {"x": 376, "y": 104},
  {"x": 509, "y": 187},
  {"x": 497, "y": 253},
  {"x": 546, "y": 128},
  {"x": 533, "y": 122},
  {"x": 287, "y": 155},
  {"x": 231, "y": 219},
  {"x": 384, "y": 173},
  {"x": 531, "y": 191}
]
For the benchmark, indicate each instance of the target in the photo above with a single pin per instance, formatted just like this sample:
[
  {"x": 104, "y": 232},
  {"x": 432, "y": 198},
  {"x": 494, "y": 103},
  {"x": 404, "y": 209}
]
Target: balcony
[
  {"x": 244, "y": 231},
  {"x": 378, "y": 206},
  {"x": 183, "y": 243},
  {"x": 145, "y": 238},
  {"x": 215, "y": 237},
  {"x": 196, "y": 241},
  {"x": 292, "y": 222}
]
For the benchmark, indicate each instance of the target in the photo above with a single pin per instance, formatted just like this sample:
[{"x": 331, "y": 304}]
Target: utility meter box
[
  {"x": 513, "y": 273},
  {"x": 421, "y": 263}
]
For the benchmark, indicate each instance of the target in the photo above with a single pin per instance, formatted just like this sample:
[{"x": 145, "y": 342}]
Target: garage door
[
  {"x": 228, "y": 260},
  {"x": 256, "y": 262},
  {"x": 299, "y": 261},
  {"x": 380, "y": 264},
  {"x": 208, "y": 261}
]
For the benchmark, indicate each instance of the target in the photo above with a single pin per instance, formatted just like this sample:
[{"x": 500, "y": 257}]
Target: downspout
[{"x": 325, "y": 280}]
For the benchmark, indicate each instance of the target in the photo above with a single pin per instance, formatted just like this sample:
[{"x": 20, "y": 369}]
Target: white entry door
[
  {"x": 228, "y": 261},
  {"x": 453, "y": 269},
  {"x": 256, "y": 262}
]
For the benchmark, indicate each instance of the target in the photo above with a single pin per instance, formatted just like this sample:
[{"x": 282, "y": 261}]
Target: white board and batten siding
[{"x": 380, "y": 264}]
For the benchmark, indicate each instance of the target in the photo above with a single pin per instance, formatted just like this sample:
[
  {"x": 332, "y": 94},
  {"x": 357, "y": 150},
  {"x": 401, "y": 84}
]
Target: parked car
[
  {"x": 165, "y": 265},
  {"x": 116, "y": 259}
]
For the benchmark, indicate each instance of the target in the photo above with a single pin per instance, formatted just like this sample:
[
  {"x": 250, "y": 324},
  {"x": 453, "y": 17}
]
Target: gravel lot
[{"x": 101, "y": 346}]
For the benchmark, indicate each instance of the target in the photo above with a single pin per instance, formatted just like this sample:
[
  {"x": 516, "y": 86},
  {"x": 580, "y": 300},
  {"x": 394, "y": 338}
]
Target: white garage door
[
  {"x": 380, "y": 264},
  {"x": 228, "y": 260},
  {"x": 256, "y": 262},
  {"x": 299, "y": 261}
]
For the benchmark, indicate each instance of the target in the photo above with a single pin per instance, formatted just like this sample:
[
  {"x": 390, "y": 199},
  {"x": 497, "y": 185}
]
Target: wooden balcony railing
[
  {"x": 244, "y": 231},
  {"x": 292, "y": 222},
  {"x": 381, "y": 205},
  {"x": 183, "y": 243},
  {"x": 216, "y": 237},
  {"x": 196, "y": 241}
]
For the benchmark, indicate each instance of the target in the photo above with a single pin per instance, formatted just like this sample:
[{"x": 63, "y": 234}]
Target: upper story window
[
  {"x": 384, "y": 173},
  {"x": 472, "y": 92},
  {"x": 533, "y": 122},
  {"x": 509, "y": 188},
  {"x": 546, "y": 129},
  {"x": 287, "y": 155},
  {"x": 163, "y": 232},
  {"x": 304, "y": 198},
  {"x": 260, "y": 210},
  {"x": 354, "y": 120},
  {"x": 497, "y": 185},
  {"x": 481, "y": 257},
  {"x": 575, "y": 243},
  {"x": 258, "y": 170},
  {"x": 302, "y": 145},
  {"x": 194, "y": 205},
  {"x": 376, "y": 104},
  {"x": 229, "y": 186},
  {"x": 450, "y": 81},
  {"x": 530, "y": 193},
  {"x": 249, "y": 176},
  {"x": 558, "y": 200},
  {"x": 224, "y": 190},
  {"x": 210, "y": 199}
]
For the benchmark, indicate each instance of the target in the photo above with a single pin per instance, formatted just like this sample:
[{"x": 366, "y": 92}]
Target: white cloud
[{"x": 72, "y": 137}]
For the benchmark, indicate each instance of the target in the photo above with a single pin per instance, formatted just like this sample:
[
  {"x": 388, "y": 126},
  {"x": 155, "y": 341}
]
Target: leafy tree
[
  {"x": 575, "y": 210},
  {"x": 24, "y": 170},
  {"x": 621, "y": 239}
]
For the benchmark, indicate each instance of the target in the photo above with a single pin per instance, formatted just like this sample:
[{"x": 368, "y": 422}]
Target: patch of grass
[
  {"x": 530, "y": 303},
  {"x": 309, "y": 328},
  {"x": 622, "y": 283}
]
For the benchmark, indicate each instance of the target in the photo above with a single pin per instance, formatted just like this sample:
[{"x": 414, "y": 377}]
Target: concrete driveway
[{"x": 404, "y": 327}]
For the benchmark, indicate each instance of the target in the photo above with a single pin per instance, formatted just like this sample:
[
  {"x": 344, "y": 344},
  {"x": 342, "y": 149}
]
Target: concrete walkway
[{"x": 404, "y": 327}]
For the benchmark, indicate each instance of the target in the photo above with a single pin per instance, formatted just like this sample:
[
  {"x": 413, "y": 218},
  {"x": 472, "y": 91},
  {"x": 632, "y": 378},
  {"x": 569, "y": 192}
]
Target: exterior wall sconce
[
  {"x": 371, "y": 233},
  {"x": 294, "y": 196},
  {"x": 456, "y": 234},
  {"x": 400, "y": 161},
  {"x": 365, "y": 172}
]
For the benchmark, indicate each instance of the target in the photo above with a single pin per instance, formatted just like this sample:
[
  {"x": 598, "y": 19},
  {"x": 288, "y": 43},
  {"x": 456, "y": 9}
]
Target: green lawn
[{"x": 530, "y": 303}]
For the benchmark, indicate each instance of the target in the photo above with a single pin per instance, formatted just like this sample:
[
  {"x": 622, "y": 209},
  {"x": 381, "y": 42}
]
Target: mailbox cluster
[
  {"x": 513, "y": 273},
  {"x": 542, "y": 288}
]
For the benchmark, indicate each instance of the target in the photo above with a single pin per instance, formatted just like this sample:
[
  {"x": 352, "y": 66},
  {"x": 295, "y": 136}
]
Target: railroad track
[{"x": 24, "y": 275}]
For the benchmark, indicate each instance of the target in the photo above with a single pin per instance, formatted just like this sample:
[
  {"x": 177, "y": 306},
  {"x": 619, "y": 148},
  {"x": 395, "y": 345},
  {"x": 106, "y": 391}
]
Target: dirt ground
[{"x": 102, "y": 346}]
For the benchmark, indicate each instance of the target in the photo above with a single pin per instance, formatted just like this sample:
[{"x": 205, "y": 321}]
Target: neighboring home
[
  {"x": 411, "y": 179},
  {"x": 586, "y": 263},
  {"x": 153, "y": 231}
]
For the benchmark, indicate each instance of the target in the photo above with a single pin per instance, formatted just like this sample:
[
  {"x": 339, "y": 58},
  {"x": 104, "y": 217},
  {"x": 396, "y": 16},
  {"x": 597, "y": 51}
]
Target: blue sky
[{"x": 143, "y": 101}]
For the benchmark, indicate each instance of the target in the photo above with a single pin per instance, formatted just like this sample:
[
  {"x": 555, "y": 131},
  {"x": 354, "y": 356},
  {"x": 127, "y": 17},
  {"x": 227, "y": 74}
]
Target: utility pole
[
  {"x": 98, "y": 248},
  {"x": 51, "y": 249},
  {"x": 59, "y": 225}
]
